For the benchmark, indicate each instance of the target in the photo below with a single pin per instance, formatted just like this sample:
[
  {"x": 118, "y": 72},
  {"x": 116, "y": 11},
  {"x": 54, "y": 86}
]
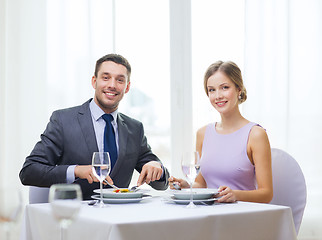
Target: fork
[
  {"x": 111, "y": 185},
  {"x": 134, "y": 188},
  {"x": 176, "y": 186}
]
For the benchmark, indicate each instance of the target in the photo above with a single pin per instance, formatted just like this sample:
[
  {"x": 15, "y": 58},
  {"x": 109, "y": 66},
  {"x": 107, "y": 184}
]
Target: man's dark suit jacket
[{"x": 69, "y": 139}]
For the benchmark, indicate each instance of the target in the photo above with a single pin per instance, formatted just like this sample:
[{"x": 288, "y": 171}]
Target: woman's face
[{"x": 222, "y": 93}]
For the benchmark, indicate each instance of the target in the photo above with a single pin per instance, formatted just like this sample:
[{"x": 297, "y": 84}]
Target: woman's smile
[{"x": 221, "y": 103}]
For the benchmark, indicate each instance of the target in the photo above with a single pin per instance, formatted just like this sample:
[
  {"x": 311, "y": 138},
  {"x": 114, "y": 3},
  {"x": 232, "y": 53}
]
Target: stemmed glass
[
  {"x": 101, "y": 166},
  {"x": 10, "y": 208},
  {"x": 65, "y": 201},
  {"x": 190, "y": 166}
]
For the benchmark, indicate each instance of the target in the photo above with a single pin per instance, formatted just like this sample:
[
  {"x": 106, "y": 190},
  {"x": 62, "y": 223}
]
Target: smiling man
[{"x": 64, "y": 153}]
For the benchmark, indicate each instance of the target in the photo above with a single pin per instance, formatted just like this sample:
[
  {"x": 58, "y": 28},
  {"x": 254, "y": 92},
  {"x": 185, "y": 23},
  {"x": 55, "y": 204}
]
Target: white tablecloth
[{"x": 159, "y": 220}]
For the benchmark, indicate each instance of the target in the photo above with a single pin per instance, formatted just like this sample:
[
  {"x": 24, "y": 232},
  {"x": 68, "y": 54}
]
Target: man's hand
[
  {"x": 151, "y": 171},
  {"x": 86, "y": 172}
]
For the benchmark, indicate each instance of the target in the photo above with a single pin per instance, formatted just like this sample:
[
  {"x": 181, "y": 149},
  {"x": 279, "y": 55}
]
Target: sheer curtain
[
  {"x": 283, "y": 61},
  {"x": 78, "y": 33},
  {"x": 48, "y": 54},
  {"x": 22, "y": 87},
  {"x": 23, "y": 92}
]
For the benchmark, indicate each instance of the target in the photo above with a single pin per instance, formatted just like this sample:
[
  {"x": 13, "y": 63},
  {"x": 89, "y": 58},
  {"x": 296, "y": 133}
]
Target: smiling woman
[{"x": 235, "y": 153}]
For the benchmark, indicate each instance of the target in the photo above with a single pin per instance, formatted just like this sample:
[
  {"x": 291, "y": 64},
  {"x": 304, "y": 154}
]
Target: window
[
  {"x": 221, "y": 37},
  {"x": 143, "y": 38}
]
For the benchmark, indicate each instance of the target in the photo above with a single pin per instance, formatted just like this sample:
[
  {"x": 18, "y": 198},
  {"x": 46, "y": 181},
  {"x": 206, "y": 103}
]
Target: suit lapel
[
  {"x": 86, "y": 124},
  {"x": 123, "y": 135}
]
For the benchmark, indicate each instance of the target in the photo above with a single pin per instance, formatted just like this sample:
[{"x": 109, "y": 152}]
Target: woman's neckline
[{"x": 215, "y": 126}]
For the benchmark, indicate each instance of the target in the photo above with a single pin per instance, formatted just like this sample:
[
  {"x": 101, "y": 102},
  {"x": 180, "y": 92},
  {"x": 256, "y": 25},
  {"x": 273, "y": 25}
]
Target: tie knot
[{"x": 107, "y": 118}]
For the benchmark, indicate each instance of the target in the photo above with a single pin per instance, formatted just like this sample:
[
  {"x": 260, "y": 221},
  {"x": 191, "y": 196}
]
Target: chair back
[
  {"x": 38, "y": 194},
  {"x": 289, "y": 184}
]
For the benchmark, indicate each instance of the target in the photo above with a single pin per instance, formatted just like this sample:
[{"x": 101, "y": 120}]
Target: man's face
[{"x": 110, "y": 85}]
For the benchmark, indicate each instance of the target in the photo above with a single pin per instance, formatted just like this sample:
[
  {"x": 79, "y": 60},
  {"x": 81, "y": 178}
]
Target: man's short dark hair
[{"x": 116, "y": 58}]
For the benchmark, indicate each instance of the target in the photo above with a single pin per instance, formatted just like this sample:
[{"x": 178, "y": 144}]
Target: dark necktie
[{"x": 109, "y": 139}]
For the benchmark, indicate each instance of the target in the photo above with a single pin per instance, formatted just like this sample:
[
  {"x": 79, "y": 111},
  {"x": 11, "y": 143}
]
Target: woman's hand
[
  {"x": 226, "y": 195},
  {"x": 182, "y": 183}
]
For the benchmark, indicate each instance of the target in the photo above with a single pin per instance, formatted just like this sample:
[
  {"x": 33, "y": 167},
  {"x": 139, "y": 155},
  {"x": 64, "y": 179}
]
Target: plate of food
[
  {"x": 121, "y": 200},
  {"x": 197, "y": 193},
  {"x": 120, "y": 193}
]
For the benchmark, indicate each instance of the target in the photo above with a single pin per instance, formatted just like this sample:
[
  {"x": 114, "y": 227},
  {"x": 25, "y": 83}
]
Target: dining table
[{"x": 157, "y": 217}]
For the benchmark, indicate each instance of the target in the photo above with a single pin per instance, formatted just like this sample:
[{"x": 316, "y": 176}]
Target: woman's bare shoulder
[
  {"x": 201, "y": 131},
  {"x": 258, "y": 132},
  {"x": 200, "y": 137},
  {"x": 258, "y": 138}
]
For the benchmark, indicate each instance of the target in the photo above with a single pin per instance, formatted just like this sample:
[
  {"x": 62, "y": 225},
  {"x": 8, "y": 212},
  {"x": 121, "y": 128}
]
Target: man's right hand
[{"x": 86, "y": 172}]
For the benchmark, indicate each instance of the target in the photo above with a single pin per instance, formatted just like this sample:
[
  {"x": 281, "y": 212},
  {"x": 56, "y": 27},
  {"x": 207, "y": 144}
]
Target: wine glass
[
  {"x": 65, "y": 201},
  {"x": 190, "y": 166},
  {"x": 10, "y": 208},
  {"x": 101, "y": 164}
]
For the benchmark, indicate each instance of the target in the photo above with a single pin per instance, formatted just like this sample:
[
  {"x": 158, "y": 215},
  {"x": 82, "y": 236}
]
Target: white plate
[
  {"x": 121, "y": 200},
  {"x": 183, "y": 201},
  {"x": 197, "y": 193},
  {"x": 109, "y": 193}
]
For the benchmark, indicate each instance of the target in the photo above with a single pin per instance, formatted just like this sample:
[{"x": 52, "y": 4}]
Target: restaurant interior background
[{"x": 49, "y": 48}]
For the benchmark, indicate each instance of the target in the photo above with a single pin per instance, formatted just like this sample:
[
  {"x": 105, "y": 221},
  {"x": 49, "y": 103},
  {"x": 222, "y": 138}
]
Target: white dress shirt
[{"x": 99, "y": 126}]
